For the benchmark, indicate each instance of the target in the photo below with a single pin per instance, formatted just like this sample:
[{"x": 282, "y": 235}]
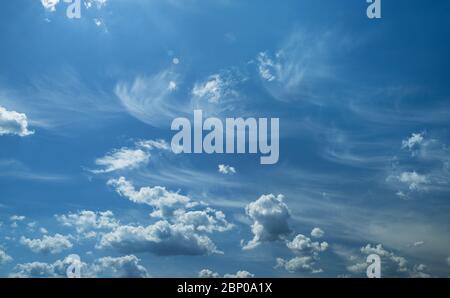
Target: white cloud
[
  {"x": 208, "y": 220},
  {"x": 399, "y": 262},
  {"x": 149, "y": 99},
  {"x": 48, "y": 244},
  {"x": 84, "y": 221},
  {"x": 161, "y": 238},
  {"x": 13, "y": 123},
  {"x": 414, "y": 180},
  {"x": 17, "y": 218},
  {"x": 298, "y": 264},
  {"x": 4, "y": 257},
  {"x": 212, "y": 89},
  {"x": 317, "y": 233},
  {"x": 304, "y": 245},
  {"x": 227, "y": 170},
  {"x": 415, "y": 140},
  {"x": 270, "y": 219},
  {"x": 126, "y": 266},
  {"x": 267, "y": 67},
  {"x": 240, "y": 274},
  {"x": 121, "y": 159},
  {"x": 50, "y": 5},
  {"x": 154, "y": 144},
  {"x": 207, "y": 273},
  {"x": 165, "y": 202}
]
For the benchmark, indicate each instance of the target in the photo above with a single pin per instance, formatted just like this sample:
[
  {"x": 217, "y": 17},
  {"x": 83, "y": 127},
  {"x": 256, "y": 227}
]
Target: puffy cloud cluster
[
  {"x": 298, "y": 264},
  {"x": 161, "y": 238},
  {"x": 413, "y": 180},
  {"x": 86, "y": 221},
  {"x": 270, "y": 220},
  {"x": 307, "y": 252},
  {"x": 392, "y": 263},
  {"x": 48, "y": 244},
  {"x": 304, "y": 245},
  {"x": 50, "y": 5},
  {"x": 13, "y": 123},
  {"x": 212, "y": 89},
  {"x": 4, "y": 257},
  {"x": 126, "y": 266},
  {"x": 165, "y": 202},
  {"x": 178, "y": 233},
  {"x": 207, "y": 273}
]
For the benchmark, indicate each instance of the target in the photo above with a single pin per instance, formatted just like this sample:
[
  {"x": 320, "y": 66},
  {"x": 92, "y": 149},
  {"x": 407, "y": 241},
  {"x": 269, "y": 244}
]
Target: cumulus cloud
[
  {"x": 268, "y": 69},
  {"x": 126, "y": 266},
  {"x": 161, "y": 238},
  {"x": 227, "y": 170},
  {"x": 121, "y": 159},
  {"x": 85, "y": 221},
  {"x": 4, "y": 257},
  {"x": 391, "y": 261},
  {"x": 208, "y": 220},
  {"x": 270, "y": 219},
  {"x": 48, "y": 244},
  {"x": 207, "y": 273},
  {"x": 165, "y": 202},
  {"x": 317, "y": 233},
  {"x": 298, "y": 264},
  {"x": 13, "y": 123},
  {"x": 154, "y": 144},
  {"x": 17, "y": 218}
]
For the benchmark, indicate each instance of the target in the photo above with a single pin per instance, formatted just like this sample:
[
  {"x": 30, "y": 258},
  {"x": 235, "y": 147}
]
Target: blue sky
[{"x": 86, "y": 166}]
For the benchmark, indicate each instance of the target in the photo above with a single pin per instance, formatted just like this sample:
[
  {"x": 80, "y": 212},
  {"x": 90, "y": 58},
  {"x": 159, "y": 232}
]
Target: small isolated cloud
[
  {"x": 161, "y": 238},
  {"x": 153, "y": 144},
  {"x": 4, "y": 257},
  {"x": 317, "y": 233},
  {"x": 122, "y": 159},
  {"x": 50, "y": 5},
  {"x": 213, "y": 89},
  {"x": 270, "y": 219},
  {"x": 48, "y": 244},
  {"x": 227, "y": 170},
  {"x": 126, "y": 266},
  {"x": 13, "y": 123},
  {"x": 413, "y": 180}
]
